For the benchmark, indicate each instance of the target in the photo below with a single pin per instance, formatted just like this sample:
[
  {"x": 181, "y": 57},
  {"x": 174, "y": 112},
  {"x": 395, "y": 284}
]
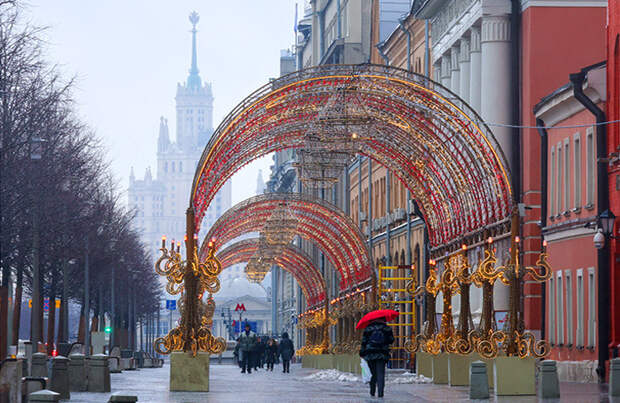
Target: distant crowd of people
[{"x": 253, "y": 352}]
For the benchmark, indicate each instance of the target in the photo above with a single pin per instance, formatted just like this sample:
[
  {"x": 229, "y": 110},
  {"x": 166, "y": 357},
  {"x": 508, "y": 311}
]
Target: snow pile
[
  {"x": 332, "y": 375},
  {"x": 408, "y": 377}
]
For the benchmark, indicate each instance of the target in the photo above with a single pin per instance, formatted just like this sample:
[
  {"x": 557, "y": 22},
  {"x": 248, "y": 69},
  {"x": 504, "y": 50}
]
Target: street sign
[
  {"x": 240, "y": 307},
  {"x": 46, "y": 304},
  {"x": 171, "y": 304}
]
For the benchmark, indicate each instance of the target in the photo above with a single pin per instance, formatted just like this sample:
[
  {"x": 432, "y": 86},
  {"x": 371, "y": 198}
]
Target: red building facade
[
  {"x": 613, "y": 148},
  {"x": 571, "y": 210},
  {"x": 551, "y": 48}
]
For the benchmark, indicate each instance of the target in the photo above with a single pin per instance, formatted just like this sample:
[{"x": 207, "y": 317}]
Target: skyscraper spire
[{"x": 193, "y": 81}]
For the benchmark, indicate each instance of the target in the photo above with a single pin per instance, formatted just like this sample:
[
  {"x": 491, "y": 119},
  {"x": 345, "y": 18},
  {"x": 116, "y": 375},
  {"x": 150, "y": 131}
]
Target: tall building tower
[{"x": 160, "y": 203}]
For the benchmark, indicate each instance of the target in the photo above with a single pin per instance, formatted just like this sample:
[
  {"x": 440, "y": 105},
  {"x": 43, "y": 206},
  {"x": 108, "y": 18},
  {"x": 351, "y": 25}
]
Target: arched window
[{"x": 402, "y": 257}]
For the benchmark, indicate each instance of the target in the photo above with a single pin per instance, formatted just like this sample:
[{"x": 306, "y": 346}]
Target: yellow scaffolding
[{"x": 392, "y": 291}]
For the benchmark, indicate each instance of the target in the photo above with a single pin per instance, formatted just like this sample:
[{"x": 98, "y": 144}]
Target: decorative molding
[
  {"x": 454, "y": 58},
  {"x": 465, "y": 56},
  {"x": 474, "y": 39},
  {"x": 525, "y": 4},
  {"x": 445, "y": 66},
  {"x": 495, "y": 28}
]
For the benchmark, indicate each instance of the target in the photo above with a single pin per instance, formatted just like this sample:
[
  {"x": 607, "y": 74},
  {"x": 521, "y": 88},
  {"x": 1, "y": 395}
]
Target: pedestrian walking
[
  {"x": 271, "y": 354},
  {"x": 236, "y": 355},
  {"x": 286, "y": 351},
  {"x": 247, "y": 341},
  {"x": 375, "y": 350},
  {"x": 257, "y": 353}
]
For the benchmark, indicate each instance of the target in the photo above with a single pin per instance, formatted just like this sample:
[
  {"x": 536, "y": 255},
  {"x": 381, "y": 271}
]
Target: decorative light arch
[
  {"x": 424, "y": 134},
  {"x": 316, "y": 220},
  {"x": 290, "y": 258}
]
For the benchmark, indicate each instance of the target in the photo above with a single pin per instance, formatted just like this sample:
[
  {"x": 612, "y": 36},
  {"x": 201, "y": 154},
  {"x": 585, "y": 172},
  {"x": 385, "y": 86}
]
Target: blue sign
[
  {"x": 253, "y": 326},
  {"x": 171, "y": 304}
]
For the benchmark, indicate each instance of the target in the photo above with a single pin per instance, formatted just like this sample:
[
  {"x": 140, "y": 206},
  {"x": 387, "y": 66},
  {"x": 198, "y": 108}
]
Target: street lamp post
[
  {"x": 86, "y": 298},
  {"x": 36, "y": 154},
  {"x": 112, "y": 310},
  {"x": 605, "y": 223}
]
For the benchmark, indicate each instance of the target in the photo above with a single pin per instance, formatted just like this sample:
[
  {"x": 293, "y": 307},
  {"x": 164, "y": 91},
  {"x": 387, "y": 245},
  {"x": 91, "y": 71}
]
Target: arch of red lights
[
  {"x": 424, "y": 134},
  {"x": 290, "y": 258},
  {"x": 318, "y": 221}
]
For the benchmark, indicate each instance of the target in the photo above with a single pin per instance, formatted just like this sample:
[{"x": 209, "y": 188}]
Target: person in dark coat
[
  {"x": 246, "y": 340},
  {"x": 271, "y": 354},
  {"x": 258, "y": 352},
  {"x": 263, "y": 347},
  {"x": 375, "y": 350},
  {"x": 286, "y": 351}
]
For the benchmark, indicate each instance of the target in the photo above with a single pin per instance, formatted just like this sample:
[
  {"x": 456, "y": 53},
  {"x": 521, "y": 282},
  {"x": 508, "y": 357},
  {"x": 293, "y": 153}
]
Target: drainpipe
[
  {"x": 370, "y": 209},
  {"x": 427, "y": 50},
  {"x": 388, "y": 250},
  {"x": 339, "y": 19},
  {"x": 515, "y": 23},
  {"x": 408, "y": 34},
  {"x": 544, "y": 147},
  {"x": 379, "y": 47},
  {"x": 602, "y": 204}
]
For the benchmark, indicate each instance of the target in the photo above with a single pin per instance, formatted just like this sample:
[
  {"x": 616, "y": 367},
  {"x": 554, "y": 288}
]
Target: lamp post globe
[{"x": 606, "y": 221}]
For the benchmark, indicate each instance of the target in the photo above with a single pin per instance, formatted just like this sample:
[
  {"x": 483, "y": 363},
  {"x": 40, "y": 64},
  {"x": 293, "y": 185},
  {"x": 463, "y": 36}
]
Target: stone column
[
  {"x": 60, "y": 377},
  {"x": 475, "y": 69},
  {"x": 445, "y": 71},
  {"x": 465, "y": 70},
  {"x": 77, "y": 373},
  {"x": 496, "y": 86},
  {"x": 39, "y": 365},
  {"x": 98, "y": 373},
  {"x": 455, "y": 85}
]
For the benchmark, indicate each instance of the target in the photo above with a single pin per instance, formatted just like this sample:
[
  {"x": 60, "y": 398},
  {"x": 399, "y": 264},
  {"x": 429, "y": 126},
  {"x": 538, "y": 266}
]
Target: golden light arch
[{"x": 425, "y": 135}]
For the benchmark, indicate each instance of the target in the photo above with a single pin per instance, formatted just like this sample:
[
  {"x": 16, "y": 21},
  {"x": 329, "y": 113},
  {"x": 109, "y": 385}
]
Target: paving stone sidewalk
[{"x": 229, "y": 385}]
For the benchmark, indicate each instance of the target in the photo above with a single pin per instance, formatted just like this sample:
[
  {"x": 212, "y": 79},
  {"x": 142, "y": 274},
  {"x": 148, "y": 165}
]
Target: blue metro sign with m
[{"x": 171, "y": 304}]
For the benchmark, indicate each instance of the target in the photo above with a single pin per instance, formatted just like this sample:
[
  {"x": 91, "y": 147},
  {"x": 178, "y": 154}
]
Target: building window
[
  {"x": 577, "y": 162},
  {"x": 166, "y": 166},
  {"x": 559, "y": 191},
  {"x": 560, "y": 308},
  {"x": 180, "y": 166},
  {"x": 552, "y": 183},
  {"x": 580, "y": 308},
  {"x": 591, "y": 308},
  {"x": 569, "y": 308},
  {"x": 590, "y": 166},
  {"x": 566, "y": 174},
  {"x": 551, "y": 311},
  {"x": 172, "y": 166}
]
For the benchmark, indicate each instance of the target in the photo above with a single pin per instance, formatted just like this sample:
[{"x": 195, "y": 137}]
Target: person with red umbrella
[{"x": 375, "y": 347}]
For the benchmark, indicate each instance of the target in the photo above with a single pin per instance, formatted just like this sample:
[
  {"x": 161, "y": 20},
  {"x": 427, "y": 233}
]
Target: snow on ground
[
  {"x": 337, "y": 376},
  {"x": 408, "y": 377},
  {"x": 332, "y": 375}
]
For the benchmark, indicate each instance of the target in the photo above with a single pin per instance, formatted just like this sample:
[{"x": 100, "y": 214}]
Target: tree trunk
[
  {"x": 81, "y": 326},
  {"x": 4, "y": 316},
  {"x": 18, "y": 304},
  {"x": 51, "y": 319}
]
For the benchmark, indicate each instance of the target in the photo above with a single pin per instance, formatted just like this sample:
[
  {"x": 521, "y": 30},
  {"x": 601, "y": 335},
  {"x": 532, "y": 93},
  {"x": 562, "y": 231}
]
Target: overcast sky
[{"x": 128, "y": 56}]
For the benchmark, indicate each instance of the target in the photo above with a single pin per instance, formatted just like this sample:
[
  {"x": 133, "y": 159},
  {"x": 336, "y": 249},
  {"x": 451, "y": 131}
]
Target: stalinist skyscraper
[{"x": 161, "y": 200}]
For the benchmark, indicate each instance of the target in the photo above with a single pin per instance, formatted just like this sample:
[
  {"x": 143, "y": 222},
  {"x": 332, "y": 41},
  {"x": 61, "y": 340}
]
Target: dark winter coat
[
  {"x": 286, "y": 349},
  {"x": 247, "y": 341},
  {"x": 382, "y": 352},
  {"x": 271, "y": 353}
]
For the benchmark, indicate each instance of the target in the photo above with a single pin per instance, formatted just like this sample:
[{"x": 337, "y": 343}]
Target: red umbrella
[{"x": 387, "y": 314}]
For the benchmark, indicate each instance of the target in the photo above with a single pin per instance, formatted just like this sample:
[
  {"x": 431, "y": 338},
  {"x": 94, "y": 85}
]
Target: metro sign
[{"x": 240, "y": 307}]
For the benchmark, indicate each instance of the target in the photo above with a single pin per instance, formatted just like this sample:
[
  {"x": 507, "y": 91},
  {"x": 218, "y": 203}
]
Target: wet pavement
[{"x": 304, "y": 385}]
